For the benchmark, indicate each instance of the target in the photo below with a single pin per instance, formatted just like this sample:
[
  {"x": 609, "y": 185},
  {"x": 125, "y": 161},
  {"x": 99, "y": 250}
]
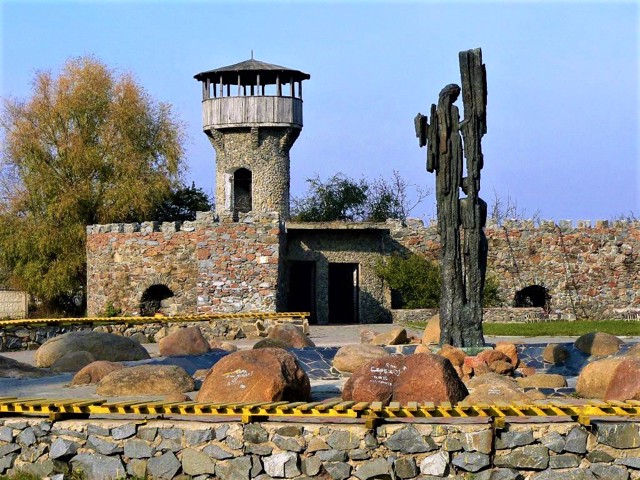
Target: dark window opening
[
  {"x": 533, "y": 296},
  {"x": 343, "y": 293},
  {"x": 242, "y": 195},
  {"x": 301, "y": 295},
  {"x": 152, "y": 298}
]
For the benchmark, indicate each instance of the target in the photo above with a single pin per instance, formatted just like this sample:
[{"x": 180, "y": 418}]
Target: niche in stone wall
[
  {"x": 154, "y": 299},
  {"x": 532, "y": 296},
  {"x": 242, "y": 191}
]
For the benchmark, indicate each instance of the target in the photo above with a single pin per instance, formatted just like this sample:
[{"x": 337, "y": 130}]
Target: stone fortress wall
[{"x": 212, "y": 266}]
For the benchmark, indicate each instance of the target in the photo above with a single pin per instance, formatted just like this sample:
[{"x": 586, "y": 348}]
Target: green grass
[{"x": 557, "y": 328}]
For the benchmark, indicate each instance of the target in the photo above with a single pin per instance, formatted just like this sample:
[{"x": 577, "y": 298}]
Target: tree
[
  {"x": 341, "y": 198},
  {"x": 90, "y": 146},
  {"x": 182, "y": 204}
]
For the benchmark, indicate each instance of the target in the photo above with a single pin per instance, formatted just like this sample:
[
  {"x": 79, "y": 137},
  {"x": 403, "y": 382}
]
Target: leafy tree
[
  {"x": 182, "y": 204},
  {"x": 415, "y": 282},
  {"x": 347, "y": 199},
  {"x": 90, "y": 146}
]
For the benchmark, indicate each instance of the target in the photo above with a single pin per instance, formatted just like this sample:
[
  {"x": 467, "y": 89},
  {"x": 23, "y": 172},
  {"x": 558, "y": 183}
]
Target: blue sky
[{"x": 562, "y": 78}]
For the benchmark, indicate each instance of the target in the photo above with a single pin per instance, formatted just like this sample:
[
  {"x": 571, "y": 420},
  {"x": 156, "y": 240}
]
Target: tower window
[{"x": 242, "y": 195}]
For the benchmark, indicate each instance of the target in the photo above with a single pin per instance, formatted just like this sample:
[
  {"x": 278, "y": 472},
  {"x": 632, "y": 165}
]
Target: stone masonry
[
  {"x": 221, "y": 266},
  {"x": 165, "y": 449}
]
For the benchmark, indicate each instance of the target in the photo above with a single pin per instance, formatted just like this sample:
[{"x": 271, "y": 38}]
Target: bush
[
  {"x": 111, "y": 311},
  {"x": 415, "y": 282}
]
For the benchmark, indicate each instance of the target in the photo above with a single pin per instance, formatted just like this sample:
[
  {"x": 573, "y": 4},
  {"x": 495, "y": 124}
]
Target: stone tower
[{"x": 252, "y": 114}]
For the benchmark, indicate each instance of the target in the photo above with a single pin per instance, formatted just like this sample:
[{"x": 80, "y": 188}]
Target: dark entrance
[
  {"x": 532, "y": 296},
  {"x": 242, "y": 198},
  {"x": 301, "y": 296},
  {"x": 343, "y": 293},
  {"x": 152, "y": 297}
]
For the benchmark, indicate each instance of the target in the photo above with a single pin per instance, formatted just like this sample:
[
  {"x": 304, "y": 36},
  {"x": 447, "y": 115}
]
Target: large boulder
[
  {"x": 454, "y": 355},
  {"x": 351, "y": 357},
  {"x": 422, "y": 377},
  {"x": 431, "y": 333},
  {"x": 396, "y": 336},
  {"x": 555, "y": 353},
  {"x": 510, "y": 350},
  {"x": 103, "y": 346},
  {"x": 263, "y": 375},
  {"x": 291, "y": 335},
  {"x": 186, "y": 341},
  {"x": 625, "y": 381},
  {"x": 490, "y": 394},
  {"x": 490, "y": 378},
  {"x": 144, "y": 380},
  {"x": 598, "y": 344},
  {"x": 94, "y": 372},
  {"x": 10, "y": 368},
  {"x": 73, "y": 362},
  {"x": 595, "y": 377}
]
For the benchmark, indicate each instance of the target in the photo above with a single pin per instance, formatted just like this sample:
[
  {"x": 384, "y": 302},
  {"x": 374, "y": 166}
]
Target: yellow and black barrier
[
  {"x": 332, "y": 409},
  {"x": 158, "y": 319}
]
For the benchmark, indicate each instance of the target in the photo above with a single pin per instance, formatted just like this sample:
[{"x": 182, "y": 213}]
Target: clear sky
[{"x": 563, "y": 83}]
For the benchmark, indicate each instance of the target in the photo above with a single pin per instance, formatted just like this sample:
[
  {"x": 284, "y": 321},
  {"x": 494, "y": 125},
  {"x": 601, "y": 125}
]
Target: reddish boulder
[
  {"x": 291, "y": 335},
  {"x": 262, "y": 375},
  {"x": 455, "y": 355},
  {"x": 594, "y": 378},
  {"x": 625, "y": 381},
  {"x": 94, "y": 372},
  {"x": 510, "y": 350},
  {"x": 489, "y": 356},
  {"x": 421, "y": 377},
  {"x": 598, "y": 343},
  {"x": 145, "y": 380},
  {"x": 186, "y": 341}
]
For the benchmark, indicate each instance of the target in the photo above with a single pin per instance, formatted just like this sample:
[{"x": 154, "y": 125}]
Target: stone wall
[
  {"x": 163, "y": 449},
  {"x": 209, "y": 266},
  {"x": 490, "y": 315},
  {"x": 590, "y": 272}
]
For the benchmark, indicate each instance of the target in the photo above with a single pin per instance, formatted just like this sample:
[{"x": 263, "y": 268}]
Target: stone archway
[
  {"x": 154, "y": 299},
  {"x": 532, "y": 296}
]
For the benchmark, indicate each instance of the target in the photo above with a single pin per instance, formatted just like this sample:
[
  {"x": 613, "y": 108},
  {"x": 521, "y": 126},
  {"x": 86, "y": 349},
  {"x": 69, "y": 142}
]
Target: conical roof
[{"x": 249, "y": 70}]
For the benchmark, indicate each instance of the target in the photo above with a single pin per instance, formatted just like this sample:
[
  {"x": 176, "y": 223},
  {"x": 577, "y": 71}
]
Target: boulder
[
  {"x": 10, "y": 368},
  {"x": 222, "y": 345},
  {"x": 423, "y": 348},
  {"x": 555, "y": 353},
  {"x": 625, "y": 381},
  {"x": 542, "y": 380},
  {"x": 271, "y": 343},
  {"x": 291, "y": 334},
  {"x": 431, "y": 333},
  {"x": 491, "y": 378},
  {"x": 146, "y": 380},
  {"x": 526, "y": 370},
  {"x": 634, "y": 350},
  {"x": 454, "y": 355},
  {"x": 103, "y": 346},
  {"x": 95, "y": 371},
  {"x": 72, "y": 362},
  {"x": 421, "y": 377},
  {"x": 489, "y": 394},
  {"x": 263, "y": 375},
  {"x": 598, "y": 344},
  {"x": 351, "y": 357},
  {"x": 502, "y": 367},
  {"x": 186, "y": 341},
  {"x": 397, "y": 336},
  {"x": 139, "y": 337},
  {"x": 510, "y": 350},
  {"x": 489, "y": 356},
  {"x": 595, "y": 377}
]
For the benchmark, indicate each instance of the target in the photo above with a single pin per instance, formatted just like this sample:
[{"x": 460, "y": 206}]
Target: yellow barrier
[
  {"x": 158, "y": 319},
  {"x": 335, "y": 409}
]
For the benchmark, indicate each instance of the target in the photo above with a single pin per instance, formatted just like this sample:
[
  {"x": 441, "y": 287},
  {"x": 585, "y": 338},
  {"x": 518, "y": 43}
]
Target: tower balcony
[{"x": 251, "y": 111}]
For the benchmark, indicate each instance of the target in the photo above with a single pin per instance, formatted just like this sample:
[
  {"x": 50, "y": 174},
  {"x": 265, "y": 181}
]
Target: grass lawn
[{"x": 558, "y": 328}]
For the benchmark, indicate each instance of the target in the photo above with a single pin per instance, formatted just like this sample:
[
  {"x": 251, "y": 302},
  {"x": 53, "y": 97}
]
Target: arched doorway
[
  {"x": 242, "y": 191},
  {"x": 532, "y": 296},
  {"x": 152, "y": 299}
]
